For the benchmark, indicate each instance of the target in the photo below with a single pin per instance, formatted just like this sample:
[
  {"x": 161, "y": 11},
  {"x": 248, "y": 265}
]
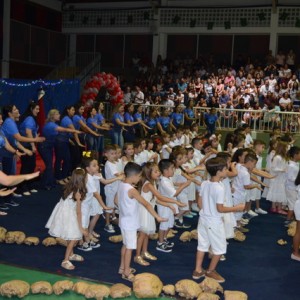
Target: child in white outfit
[
  {"x": 65, "y": 220},
  {"x": 211, "y": 231},
  {"x": 129, "y": 222}
]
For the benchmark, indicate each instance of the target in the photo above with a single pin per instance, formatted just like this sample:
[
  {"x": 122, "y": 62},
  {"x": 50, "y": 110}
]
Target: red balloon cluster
[{"x": 93, "y": 86}]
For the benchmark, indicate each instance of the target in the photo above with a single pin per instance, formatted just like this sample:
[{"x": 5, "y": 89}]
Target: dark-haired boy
[
  {"x": 166, "y": 188},
  {"x": 211, "y": 231},
  {"x": 128, "y": 201}
]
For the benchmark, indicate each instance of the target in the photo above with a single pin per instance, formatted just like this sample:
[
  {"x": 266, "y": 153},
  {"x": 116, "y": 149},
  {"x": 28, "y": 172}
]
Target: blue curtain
[{"x": 58, "y": 93}]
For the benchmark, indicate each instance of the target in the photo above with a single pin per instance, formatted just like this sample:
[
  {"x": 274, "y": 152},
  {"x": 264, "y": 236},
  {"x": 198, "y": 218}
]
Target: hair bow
[{"x": 86, "y": 154}]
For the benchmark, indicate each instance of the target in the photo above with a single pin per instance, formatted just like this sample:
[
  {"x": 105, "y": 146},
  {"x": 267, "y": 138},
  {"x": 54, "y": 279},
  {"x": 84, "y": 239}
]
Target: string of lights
[{"x": 40, "y": 81}]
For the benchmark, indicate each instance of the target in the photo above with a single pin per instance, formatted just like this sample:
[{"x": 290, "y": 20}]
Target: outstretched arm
[{"x": 10, "y": 180}]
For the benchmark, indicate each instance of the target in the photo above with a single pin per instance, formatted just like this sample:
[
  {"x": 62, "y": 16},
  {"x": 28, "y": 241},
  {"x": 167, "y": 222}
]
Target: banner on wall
[{"x": 58, "y": 93}]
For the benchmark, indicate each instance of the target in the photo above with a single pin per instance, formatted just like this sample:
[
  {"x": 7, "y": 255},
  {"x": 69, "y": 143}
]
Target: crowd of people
[
  {"x": 161, "y": 167},
  {"x": 262, "y": 88}
]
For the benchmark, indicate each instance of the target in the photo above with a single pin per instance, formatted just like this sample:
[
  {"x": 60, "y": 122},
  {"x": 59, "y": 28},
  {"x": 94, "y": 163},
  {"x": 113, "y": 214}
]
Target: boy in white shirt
[
  {"x": 179, "y": 140},
  {"x": 111, "y": 171},
  {"x": 248, "y": 139},
  {"x": 211, "y": 231},
  {"x": 198, "y": 156},
  {"x": 241, "y": 183},
  {"x": 138, "y": 157},
  {"x": 166, "y": 188},
  {"x": 128, "y": 200}
]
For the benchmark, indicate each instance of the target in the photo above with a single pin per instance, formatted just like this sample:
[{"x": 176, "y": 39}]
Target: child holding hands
[
  {"x": 211, "y": 232},
  {"x": 65, "y": 220},
  {"x": 128, "y": 201}
]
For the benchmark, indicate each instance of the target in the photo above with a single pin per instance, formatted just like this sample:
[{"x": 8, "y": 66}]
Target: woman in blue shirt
[
  {"x": 151, "y": 121},
  {"x": 104, "y": 126},
  {"x": 46, "y": 149},
  {"x": 141, "y": 127},
  {"x": 92, "y": 123},
  {"x": 177, "y": 116},
  {"x": 62, "y": 166},
  {"x": 29, "y": 128},
  {"x": 164, "y": 123},
  {"x": 130, "y": 133},
  {"x": 119, "y": 122},
  {"x": 189, "y": 115}
]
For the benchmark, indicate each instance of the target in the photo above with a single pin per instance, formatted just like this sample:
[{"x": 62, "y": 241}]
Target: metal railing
[
  {"x": 230, "y": 119},
  {"x": 92, "y": 68},
  {"x": 75, "y": 66}
]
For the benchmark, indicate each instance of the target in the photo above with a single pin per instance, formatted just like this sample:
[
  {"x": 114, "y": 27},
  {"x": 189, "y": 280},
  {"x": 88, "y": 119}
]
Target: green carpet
[{"x": 8, "y": 273}]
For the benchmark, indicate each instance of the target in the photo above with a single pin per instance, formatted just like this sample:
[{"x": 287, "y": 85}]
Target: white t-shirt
[
  {"x": 166, "y": 188},
  {"x": 164, "y": 152},
  {"x": 111, "y": 169},
  {"x": 248, "y": 140},
  {"x": 239, "y": 182},
  {"x": 292, "y": 172},
  {"x": 212, "y": 193},
  {"x": 198, "y": 156},
  {"x": 128, "y": 208}
]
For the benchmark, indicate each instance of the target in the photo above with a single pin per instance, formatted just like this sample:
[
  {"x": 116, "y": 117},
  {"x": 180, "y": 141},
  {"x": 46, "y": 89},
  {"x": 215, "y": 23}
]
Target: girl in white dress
[
  {"x": 270, "y": 155},
  {"x": 93, "y": 201},
  {"x": 290, "y": 187},
  {"x": 277, "y": 193},
  {"x": 65, "y": 220},
  {"x": 149, "y": 192}
]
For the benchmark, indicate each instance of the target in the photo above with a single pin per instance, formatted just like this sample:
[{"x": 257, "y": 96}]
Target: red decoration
[{"x": 96, "y": 82}]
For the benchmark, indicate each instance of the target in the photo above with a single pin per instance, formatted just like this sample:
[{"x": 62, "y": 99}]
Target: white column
[
  {"x": 159, "y": 46},
  {"x": 273, "y": 32},
  {"x": 6, "y": 39},
  {"x": 72, "y": 49}
]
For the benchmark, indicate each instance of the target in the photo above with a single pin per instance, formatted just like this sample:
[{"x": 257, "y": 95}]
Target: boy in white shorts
[
  {"x": 242, "y": 183},
  {"x": 211, "y": 231},
  {"x": 111, "y": 171},
  {"x": 128, "y": 199},
  {"x": 166, "y": 188}
]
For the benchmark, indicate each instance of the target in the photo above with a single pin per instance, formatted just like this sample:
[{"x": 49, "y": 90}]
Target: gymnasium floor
[{"x": 259, "y": 266}]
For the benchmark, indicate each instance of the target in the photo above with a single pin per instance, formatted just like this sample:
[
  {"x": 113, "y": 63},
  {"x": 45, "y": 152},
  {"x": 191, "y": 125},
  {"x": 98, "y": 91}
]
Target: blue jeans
[
  {"x": 117, "y": 138},
  {"x": 62, "y": 166},
  {"x": 100, "y": 144},
  {"x": 46, "y": 152},
  {"x": 92, "y": 142}
]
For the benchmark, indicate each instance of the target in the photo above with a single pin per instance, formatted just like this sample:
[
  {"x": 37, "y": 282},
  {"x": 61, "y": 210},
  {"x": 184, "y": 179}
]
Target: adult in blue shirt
[
  {"x": 104, "y": 126},
  {"x": 164, "y": 123},
  {"x": 151, "y": 121},
  {"x": 10, "y": 129},
  {"x": 79, "y": 124},
  {"x": 29, "y": 128},
  {"x": 141, "y": 127},
  {"x": 92, "y": 123},
  {"x": 130, "y": 133},
  {"x": 189, "y": 115},
  {"x": 119, "y": 122},
  {"x": 177, "y": 116},
  {"x": 62, "y": 166},
  {"x": 46, "y": 149},
  {"x": 210, "y": 120}
]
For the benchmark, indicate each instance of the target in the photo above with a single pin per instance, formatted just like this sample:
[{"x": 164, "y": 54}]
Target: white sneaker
[
  {"x": 195, "y": 207},
  {"x": 252, "y": 213},
  {"x": 261, "y": 211},
  {"x": 244, "y": 221}
]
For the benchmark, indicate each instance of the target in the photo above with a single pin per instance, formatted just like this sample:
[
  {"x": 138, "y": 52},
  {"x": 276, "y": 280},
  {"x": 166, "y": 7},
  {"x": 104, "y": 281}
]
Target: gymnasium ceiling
[{"x": 201, "y": 3}]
